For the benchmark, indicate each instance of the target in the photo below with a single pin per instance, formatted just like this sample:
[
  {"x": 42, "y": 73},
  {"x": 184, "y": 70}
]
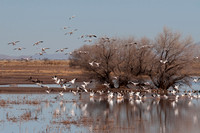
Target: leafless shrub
[
  {"x": 171, "y": 60},
  {"x": 99, "y": 59},
  {"x": 165, "y": 60}
]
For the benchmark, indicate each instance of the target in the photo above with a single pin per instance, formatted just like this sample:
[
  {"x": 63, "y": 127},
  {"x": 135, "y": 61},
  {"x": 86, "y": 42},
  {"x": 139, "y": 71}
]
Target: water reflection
[{"x": 80, "y": 113}]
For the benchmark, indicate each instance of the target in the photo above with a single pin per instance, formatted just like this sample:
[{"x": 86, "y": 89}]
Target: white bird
[
  {"x": 61, "y": 93},
  {"x": 73, "y": 81},
  {"x": 196, "y": 80},
  {"x": 131, "y": 94},
  {"x": 107, "y": 85},
  {"x": 165, "y": 96},
  {"x": 83, "y": 107},
  {"x": 90, "y": 36},
  {"x": 97, "y": 64},
  {"x": 119, "y": 96},
  {"x": 48, "y": 91},
  {"x": 64, "y": 87},
  {"x": 43, "y": 49},
  {"x": 138, "y": 101},
  {"x": 58, "y": 81},
  {"x": 74, "y": 92},
  {"x": 13, "y": 43},
  {"x": 100, "y": 92},
  {"x": 84, "y": 87},
  {"x": 91, "y": 63},
  {"x": 37, "y": 43},
  {"x": 110, "y": 95},
  {"x": 115, "y": 77},
  {"x": 176, "y": 98},
  {"x": 72, "y": 17},
  {"x": 134, "y": 83},
  {"x": 92, "y": 94},
  {"x": 163, "y": 61},
  {"x": 61, "y": 50},
  {"x": 86, "y": 83},
  {"x": 41, "y": 53},
  {"x": 55, "y": 78},
  {"x": 176, "y": 87},
  {"x": 137, "y": 94},
  {"x": 173, "y": 92}
]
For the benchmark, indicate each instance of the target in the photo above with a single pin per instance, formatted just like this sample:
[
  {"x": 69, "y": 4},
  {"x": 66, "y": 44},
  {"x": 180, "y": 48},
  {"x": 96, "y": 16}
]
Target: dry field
[{"x": 17, "y": 72}]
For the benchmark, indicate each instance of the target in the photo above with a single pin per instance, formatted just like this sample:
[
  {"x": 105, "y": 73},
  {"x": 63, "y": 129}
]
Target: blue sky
[{"x": 30, "y": 21}]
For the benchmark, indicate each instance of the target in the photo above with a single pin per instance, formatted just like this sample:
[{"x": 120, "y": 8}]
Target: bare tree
[
  {"x": 98, "y": 59},
  {"x": 171, "y": 60},
  {"x": 165, "y": 60}
]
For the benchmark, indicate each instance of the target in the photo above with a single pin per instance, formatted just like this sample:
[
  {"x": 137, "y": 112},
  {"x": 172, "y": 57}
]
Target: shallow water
[
  {"x": 38, "y": 113},
  {"x": 47, "y": 113}
]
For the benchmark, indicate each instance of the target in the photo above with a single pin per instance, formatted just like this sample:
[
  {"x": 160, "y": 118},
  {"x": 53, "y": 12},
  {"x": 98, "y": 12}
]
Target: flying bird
[
  {"x": 90, "y": 36},
  {"x": 196, "y": 80},
  {"x": 91, "y": 63},
  {"x": 61, "y": 50},
  {"x": 41, "y": 53},
  {"x": 20, "y": 48},
  {"x": 43, "y": 49},
  {"x": 37, "y": 43},
  {"x": 71, "y": 32},
  {"x": 73, "y": 81},
  {"x": 72, "y": 17},
  {"x": 66, "y": 27},
  {"x": 163, "y": 61},
  {"x": 13, "y": 43}
]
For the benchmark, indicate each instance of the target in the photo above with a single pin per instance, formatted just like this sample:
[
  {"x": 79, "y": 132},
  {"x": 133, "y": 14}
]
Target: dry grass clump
[
  {"x": 35, "y": 102},
  {"x": 69, "y": 122},
  {"x": 26, "y": 116},
  {"x": 3, "y": 103}
]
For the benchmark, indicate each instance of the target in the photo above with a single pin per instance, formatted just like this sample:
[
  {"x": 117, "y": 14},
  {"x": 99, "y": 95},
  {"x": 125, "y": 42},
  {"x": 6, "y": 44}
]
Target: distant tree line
[{"x": 164, "y": 61}]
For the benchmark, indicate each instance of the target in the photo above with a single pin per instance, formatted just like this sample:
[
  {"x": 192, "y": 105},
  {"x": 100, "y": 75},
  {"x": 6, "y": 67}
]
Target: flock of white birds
[
  {"x": 68, "y": 31},
  {"x": 137, "y": 95}
]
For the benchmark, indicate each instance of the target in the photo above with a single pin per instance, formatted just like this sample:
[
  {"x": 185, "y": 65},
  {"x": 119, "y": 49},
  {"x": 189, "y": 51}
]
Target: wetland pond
[{"x": 50, "y": 113}]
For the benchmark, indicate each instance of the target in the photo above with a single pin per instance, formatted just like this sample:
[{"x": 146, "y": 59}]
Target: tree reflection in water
[
  {"x": 151, "y": 115},
  {"x": 81, "y": 114}
]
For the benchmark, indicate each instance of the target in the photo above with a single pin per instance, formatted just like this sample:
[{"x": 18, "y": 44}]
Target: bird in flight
[
  {"x": 163, "y": 61},
  {"x": 13, "y": 43},
  {"x": 20, "y": 48},
  {"x": 43, "y": 49},
  {"x": 71, "y": 32},
  {"x": 66, "y": 27},
  {"x": 61, "y": 50},
  {"x": 37, "y": 43},
  {"x": 72, "y": 17},
  {"x": 90, "y": 36},
  {"x": 73, "y": 81}
]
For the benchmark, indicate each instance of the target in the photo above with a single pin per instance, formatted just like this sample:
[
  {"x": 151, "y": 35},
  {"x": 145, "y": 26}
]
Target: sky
[{"x": 29, "y": 21}]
